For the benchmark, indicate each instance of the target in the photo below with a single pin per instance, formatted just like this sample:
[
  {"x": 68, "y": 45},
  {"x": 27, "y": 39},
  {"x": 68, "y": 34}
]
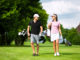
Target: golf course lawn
[{"x": 45, "y": 52}]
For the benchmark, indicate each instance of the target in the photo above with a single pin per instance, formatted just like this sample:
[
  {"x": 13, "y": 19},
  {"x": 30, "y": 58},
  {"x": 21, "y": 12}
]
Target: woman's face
[{"x": 53, "y": 17}]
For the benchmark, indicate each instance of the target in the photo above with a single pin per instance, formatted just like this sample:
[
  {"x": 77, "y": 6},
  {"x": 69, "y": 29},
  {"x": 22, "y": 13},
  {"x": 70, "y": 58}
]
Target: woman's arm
[
  {"x": 49, "y": 25},
  {"x": 60, "y": 30}
]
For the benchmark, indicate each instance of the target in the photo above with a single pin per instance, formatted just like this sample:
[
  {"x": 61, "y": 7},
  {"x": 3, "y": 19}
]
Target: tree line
[{"x": 15, "y": 16}]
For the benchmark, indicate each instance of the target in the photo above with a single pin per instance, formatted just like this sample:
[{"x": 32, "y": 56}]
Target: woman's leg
[
  {"x": 54, "y": 46},
  {"x": 57, "y": 45}
]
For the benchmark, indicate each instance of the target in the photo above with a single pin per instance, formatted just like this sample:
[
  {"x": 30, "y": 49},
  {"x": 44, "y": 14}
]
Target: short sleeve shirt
[
  {"x": 55, "y": 27},
  {"x": 35, "y": 27}
]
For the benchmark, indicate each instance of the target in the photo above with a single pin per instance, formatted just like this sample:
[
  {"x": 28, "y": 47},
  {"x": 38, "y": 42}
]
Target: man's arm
[
  {"x": 41, "y": 29},
  {"x": 28, "y": 29}
]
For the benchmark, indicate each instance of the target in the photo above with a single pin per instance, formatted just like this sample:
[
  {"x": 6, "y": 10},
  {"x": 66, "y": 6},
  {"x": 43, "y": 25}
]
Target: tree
[
  {"x": 15, "y": 16},
  {"x": 71, "y": 35}
]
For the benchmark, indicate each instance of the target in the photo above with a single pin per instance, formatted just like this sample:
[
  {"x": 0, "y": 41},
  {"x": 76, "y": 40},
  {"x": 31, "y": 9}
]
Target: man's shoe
[
  {"x": 37, "y": 54},
  {"x": 34, "y": 54}
]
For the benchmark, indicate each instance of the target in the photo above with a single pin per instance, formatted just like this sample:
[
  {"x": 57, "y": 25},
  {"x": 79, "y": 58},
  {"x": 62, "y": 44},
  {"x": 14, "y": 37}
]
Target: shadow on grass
[
  {"x": 46, "y": 46},
  {"x": 16, "y": 46},
  {"x": 60, "y": 54},
  {"x": 30, "y": 46},
  {"x": 70, "y": 53},
  {"x": 24, "y": 46}
]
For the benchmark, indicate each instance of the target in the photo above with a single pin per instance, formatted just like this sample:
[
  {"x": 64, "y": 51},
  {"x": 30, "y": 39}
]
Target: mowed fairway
[{"x": 45, "y": 52}]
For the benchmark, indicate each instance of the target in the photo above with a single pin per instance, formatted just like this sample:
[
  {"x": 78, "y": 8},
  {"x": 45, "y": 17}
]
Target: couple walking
[{"x": 36, "y": 28}]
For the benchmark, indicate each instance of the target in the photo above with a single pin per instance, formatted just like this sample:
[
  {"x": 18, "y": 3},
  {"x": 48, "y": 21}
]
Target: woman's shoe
[{"x": 57, "y": 53}]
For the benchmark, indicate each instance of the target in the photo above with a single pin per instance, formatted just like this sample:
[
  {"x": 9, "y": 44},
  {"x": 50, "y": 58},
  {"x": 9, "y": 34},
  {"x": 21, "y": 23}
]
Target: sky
[{"x": 68, "y": 11}]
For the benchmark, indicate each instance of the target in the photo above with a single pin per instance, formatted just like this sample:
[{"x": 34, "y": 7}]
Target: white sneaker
[{"x": 57, "y": 53}]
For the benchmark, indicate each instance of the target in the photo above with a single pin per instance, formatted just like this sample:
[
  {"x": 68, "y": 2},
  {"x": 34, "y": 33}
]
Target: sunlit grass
[{"x": 45, "y": 52}]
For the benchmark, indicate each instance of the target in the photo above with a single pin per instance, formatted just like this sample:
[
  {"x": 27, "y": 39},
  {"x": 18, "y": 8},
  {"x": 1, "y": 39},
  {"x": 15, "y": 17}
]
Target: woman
[{"x": 55, "y": 32}]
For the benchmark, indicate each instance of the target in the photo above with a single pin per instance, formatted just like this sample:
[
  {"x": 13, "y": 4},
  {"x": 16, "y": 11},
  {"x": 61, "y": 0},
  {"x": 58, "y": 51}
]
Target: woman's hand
[{"x": 60, "y": 31}]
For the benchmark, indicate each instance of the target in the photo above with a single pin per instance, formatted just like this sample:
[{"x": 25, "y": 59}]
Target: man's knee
[
  {"x": 32, "y": 43},
  {"x": 37, "y": 44}
]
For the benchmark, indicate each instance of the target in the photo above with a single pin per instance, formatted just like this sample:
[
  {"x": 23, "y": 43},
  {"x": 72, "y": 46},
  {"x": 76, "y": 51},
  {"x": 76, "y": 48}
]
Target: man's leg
[
  {"x": 37, "y": 49},
  {"x": 32, "y": 43},
  {"x": 37, "y": 42},
  {"x": 33, "y": 48}
]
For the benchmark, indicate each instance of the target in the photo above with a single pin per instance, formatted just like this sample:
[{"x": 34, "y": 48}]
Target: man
[{"x": 36, "y": 28}]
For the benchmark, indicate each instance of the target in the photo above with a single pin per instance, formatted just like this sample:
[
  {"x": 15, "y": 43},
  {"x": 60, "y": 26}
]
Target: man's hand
[
  {"x": 28, "y": 31},
  {"x": 41, "y": 29},
  {"x": 28, "y": 34}
]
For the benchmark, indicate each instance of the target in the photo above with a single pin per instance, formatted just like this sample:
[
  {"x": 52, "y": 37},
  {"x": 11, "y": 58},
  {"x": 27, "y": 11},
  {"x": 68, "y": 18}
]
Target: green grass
[{"x": 45, "y": 52}]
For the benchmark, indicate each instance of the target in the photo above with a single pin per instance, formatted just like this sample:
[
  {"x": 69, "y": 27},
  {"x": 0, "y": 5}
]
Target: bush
[{"x": 73, "y": 36}]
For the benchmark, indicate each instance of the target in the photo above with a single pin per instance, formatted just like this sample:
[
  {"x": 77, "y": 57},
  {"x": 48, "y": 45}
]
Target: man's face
[{"x": 36, "y": 18}]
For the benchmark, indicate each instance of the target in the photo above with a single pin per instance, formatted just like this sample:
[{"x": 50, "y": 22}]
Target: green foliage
[
  {"x": 16, "y": 14},
  {"x": 72, "y": 35}
]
